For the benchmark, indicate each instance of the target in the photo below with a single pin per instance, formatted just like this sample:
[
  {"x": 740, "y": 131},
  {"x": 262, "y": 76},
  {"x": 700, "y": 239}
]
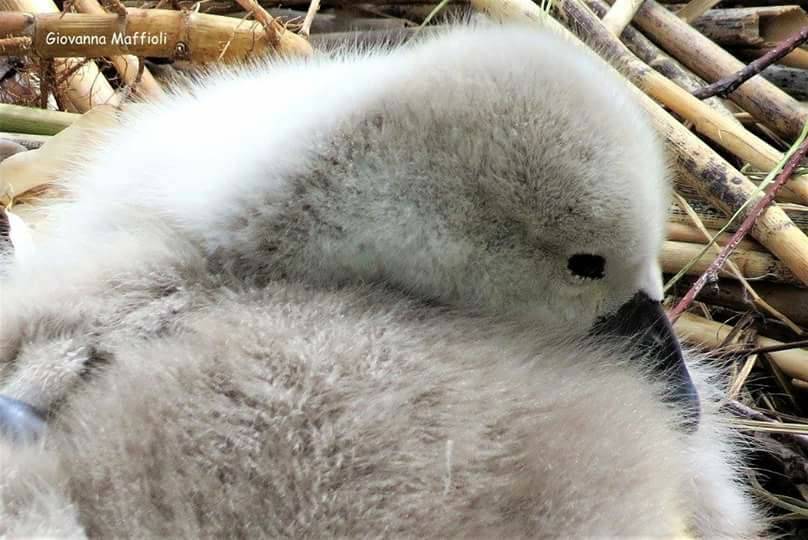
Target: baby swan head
[
  {"x": 498, "y": 168},
  {"x": 504, "y": 170}
]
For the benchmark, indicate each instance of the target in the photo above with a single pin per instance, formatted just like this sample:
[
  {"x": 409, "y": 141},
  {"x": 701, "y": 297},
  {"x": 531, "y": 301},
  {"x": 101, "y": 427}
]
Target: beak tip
[{"x": 645, "y": 322}]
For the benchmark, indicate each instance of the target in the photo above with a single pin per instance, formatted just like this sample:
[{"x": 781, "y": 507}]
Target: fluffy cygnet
[{"x": 352, "y": 296}]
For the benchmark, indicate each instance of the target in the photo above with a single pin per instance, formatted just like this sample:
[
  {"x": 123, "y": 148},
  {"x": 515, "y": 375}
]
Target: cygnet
[{"x": 376, "y": 294}]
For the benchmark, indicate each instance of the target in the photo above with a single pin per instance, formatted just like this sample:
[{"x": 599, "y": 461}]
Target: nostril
[{"x": 19, "y": 421}]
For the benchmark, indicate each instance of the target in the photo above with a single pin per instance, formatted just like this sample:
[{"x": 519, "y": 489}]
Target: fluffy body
[
  {"x": 355, "y": 317},
  {"x": 300, "y": 413}
]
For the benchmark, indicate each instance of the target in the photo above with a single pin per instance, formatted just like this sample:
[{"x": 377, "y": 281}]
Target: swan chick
[
  {"x": 372, "y": 287},
  {"x": 460, "y": 171}
]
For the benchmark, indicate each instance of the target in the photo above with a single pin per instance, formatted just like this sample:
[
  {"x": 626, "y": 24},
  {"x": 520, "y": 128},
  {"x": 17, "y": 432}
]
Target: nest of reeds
[{"x": 726, "y": 87}]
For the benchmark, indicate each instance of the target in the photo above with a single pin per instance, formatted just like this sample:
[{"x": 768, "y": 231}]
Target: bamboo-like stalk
[
  {"x": 85, "y": 86},
  {"x": 715, "y": 179},
  {"x": 793, "y": 81},
  {"x": 712, "y": 219},
  {"x": 26, "y": 171},
  {"x": 736, "y": 272},
  {"x": 710, "y": 335},
  {"x": 791, "y": 301},
  {"x": 343, "y": 3},
  {"x": 798, "y": 151},
  {"x": 731, "y": 83},
  {"x": 620, "y": 15},
  {"x": 770, "y": 105},
  {"x": 798, "y": 58},
  {"x": 752, "y": 264},
  {"x": 161, "y": 33},
  {"x": 739, "y": 380},
  {"x": 695, "y": 8},
  {"x": 729, "y": 27},
  {"x": 34, "y": 121},
  {"x": 681, "y": 232},
  {"x": 658, "y": 59},
  {"x": 127, "y": 65},
  {"x": 791, "y": 239},
  {"x": 719, "y": 128},
  {"x": 750, "y": 26}
]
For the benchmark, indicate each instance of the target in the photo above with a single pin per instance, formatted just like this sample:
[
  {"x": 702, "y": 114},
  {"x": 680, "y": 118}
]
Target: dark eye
[{"x": 584, "y": 265}]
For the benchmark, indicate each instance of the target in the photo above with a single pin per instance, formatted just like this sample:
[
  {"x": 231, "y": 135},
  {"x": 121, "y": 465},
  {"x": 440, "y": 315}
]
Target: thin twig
[
  {"x": 739, "y": 409},
  {"x": 271, "y": 26},
  {"x": 18, "y": 44},
  {"x": 756, "y": 298},
  {"x": 782, "y": 347},
  {"x": 740, "y": 380},
  {"x": 71, "y": 70},
  {"x": 767, "y": 103},
  {"x": 305, "y": 29},
  {"x": 727, "y": 85},
  {"x": 797, "y": 153}
]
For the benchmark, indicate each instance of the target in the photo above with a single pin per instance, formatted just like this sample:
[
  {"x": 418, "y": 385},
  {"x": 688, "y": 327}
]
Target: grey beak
[
  {"x": 20, "y": 422},
  {"x": 643, "y": 321}
]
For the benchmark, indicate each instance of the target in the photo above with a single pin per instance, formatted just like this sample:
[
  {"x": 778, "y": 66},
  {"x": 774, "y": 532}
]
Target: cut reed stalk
[
  {"x": 712, "y": 219},
  {"x": 719, "y": 128},
  {"x": 27, "y": 171},
  {"x": 620, "y": 15},
  {"x": 695, "y": 8},
  {"x": 84, "y": 85},
  {"x": 737, "y": 273},
  {"x": 789, "y": 300},
  {"x": 770, "y": 105},
  {"x": 680, "y": 232},
  {"x": 750, "y": 26},
  {"x": 658, "y": 59},
  {"x": 793, "y": 81},
  {"x": 127, "y": 66},
  {"x": 753, "y": 265},
  {"x": 710, "y": 335},
  {"x": 34, "y": 121},
  {"x": 798, "y": 151},
  {"x": 729, "y": 84},
  {"x": 160, "y": 33}
]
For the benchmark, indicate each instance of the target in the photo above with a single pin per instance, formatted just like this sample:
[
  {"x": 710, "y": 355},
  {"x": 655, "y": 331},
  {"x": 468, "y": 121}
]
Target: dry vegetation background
[{"x": 736, "y": 258}]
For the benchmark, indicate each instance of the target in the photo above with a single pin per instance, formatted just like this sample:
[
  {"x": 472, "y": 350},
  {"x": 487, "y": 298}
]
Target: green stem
[{"x": 33, "y": 121}]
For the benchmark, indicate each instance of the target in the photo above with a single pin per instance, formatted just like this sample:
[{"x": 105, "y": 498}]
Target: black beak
[{"x": 643, "y": 321}]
